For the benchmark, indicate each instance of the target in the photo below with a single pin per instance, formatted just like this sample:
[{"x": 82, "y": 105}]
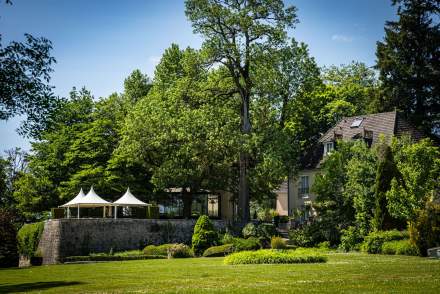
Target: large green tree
[
  {"x": 183, "y": 131},
  {"x": 409, "y": 63},
  {"x": 233, "y": 32}
]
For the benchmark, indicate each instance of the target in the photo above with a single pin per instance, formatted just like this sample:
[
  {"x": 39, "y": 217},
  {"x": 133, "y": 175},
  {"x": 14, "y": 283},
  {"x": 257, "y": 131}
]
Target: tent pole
[
  {"x": 116, "y": 211},
  {"x": 103, "y": 212},
  {"x": 78, "y": 211},
  {"x": 68, "y": 212}
]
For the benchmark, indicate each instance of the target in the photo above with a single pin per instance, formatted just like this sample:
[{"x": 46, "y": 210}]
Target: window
[
  {"x": 328, "y": 147},
  {"x": 356, "y": 123},
  {"x": 303, "y": 189}
]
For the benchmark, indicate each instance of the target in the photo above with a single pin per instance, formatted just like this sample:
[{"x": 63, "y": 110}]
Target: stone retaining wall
[{"x": 70, "y": 237}]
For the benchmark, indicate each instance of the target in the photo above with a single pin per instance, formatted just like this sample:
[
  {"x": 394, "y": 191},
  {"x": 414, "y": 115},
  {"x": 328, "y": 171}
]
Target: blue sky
[{"x": 98, "y": 43}]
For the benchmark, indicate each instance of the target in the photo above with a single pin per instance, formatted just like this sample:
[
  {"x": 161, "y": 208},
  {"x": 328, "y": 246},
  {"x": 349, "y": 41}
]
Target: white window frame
[{"x": 328, "y": 150}]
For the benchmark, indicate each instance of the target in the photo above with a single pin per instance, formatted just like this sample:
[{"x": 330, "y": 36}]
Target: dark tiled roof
[
  {"x": 388, "y": 124},
  {"x": 379, "y": 123}
]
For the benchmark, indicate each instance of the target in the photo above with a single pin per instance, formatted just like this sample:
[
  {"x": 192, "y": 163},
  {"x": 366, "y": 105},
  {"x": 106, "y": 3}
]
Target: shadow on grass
[{"x": 25, "y": 287}]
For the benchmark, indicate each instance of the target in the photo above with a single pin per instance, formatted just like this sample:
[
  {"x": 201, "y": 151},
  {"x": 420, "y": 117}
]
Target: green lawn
[{"x": 350, "y": 273}]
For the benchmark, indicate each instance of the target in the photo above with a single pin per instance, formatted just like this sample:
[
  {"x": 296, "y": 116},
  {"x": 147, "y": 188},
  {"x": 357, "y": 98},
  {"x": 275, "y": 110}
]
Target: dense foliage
[
  {"x": 425, "y": 228},
  {"x": 217, "y": 251},
  {"x": 401, "y": 247},
  {"x": 8, "y": 241},
  {"x": 269, "y": 256},
  {"x": 373, "y": 242},
  {"x": 360, "y": 190},
  {"x": 278, "y": 243},
  {"x": 408, "y": 62},
  {"x": 204, "y": 235},
  {"x": 28, "y": 238},
  {"x": 180, "y": 251}
]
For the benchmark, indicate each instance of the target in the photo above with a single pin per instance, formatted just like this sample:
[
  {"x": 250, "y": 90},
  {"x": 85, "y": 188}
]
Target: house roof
[{"x": 388, "y": 124}]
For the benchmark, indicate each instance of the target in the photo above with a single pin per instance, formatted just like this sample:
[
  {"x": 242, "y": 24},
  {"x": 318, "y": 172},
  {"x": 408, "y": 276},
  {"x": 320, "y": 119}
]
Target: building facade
[{"x": 297, "y": 198}]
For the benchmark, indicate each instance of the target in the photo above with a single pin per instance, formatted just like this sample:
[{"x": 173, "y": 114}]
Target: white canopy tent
[
  {"x": 73, "y": 202},
  {"x": 89, "y": 200},
  {"x": 128, "y": 199}
]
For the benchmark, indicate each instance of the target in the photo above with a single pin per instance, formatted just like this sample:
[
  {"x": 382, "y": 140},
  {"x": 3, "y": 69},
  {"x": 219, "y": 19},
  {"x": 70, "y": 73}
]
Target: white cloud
[
  {"x": 342, "y": 38},
  {"x": 154, "y": 60}
]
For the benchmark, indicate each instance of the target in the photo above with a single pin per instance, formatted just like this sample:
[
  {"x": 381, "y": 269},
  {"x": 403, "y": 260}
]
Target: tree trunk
[
  {"x": 243, "y": 188},
  {"x": 187, "y": 202}
]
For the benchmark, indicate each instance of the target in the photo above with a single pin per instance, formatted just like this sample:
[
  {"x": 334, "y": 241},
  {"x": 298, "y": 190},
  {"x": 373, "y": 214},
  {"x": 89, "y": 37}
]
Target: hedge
[
  {"x": 269, "y": 256},
  {"x": 157, "y": 250},
  {"x": 28, "y": 238},
  {"x": 374, "y": 241},
  {"x": 110, "y": 258},
  {"x": 217, "y": 251},
  {"x": 401, "y": 247}
]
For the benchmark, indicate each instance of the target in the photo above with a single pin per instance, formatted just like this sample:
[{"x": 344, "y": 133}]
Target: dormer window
[
  {"x": 356, "y": 123},
  {"x": 328, "y": 147}
]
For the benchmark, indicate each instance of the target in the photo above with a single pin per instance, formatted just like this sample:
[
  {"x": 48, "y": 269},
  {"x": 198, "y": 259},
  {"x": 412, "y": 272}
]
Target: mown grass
[{"x": 346, "y": 273}]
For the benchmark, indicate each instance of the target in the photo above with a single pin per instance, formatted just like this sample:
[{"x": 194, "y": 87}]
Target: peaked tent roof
[
  {"x": 128, "y": 199},
  {"x": 92, "y": 199},
  {"x": 75, "y": 201}
]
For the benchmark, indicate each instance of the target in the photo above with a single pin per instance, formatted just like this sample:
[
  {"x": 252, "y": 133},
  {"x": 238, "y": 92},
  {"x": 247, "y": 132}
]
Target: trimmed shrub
[
  {"x": 8, "y": 242},
  {"x": 217, "y": 251},
  {"x": 374, "y": 241},
  {"x": 269, "y": 256},
  {"x": 204, "y": 235},
  {"x": 227, "y": 239},
  {"x": 351, "y": 239},
  {"x": 425, "y": 229},
  {"x": 157, "y": 250},
  {"x": 277, "y": 243},
  {"x": 324, "y": 245},
  {"x": 401, "y": 247},
  {"x": 28, "y": 238},
  {"x": 300, "y": 238},
  {"x": 241, "y": 244},
  {"x": 180, "y": 251}
]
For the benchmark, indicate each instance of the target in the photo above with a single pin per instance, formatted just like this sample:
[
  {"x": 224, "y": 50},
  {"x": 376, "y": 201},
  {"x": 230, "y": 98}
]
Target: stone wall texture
[{"x": 71, "y": 237}]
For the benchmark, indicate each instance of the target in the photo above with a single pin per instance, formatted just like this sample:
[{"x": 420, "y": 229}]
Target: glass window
[
  {"x": 303, "y": 189},
  {"x": 328, "y": 147}
]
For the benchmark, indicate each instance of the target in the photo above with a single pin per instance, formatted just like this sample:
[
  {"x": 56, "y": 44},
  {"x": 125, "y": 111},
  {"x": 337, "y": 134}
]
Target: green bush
[
  {"x": 106, "y": 257},
  {"x": 216, "y": 251},
  {"x": 204, "y": 235},
  {"x": 250, "y": 230},
  {"x": 269, "y": 256},
  {"x": 28, "y": 238},
  {"x": 401, "y": 247},
  {"x": 277, "y": 243},
  {"x": 425, "y": 229},
  {"x": 263, "y": 231},
  {"x": 351, "y": 239},
  {"x": 157, "y": 250},
  {"x": 324, "y": 245},
  {"x": 374, "y": 241},
  {"x": 300, "y": 238},
  {"x": 241, "y": 244},
  {"x": 180, "y": 251},
  {"x": 227, "y": 239},
  {"x": 8, "y": 241}
]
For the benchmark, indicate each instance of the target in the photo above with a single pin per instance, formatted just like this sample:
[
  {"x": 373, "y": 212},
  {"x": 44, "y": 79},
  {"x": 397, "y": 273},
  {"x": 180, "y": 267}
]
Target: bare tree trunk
[{"x": 243, "y": 188}]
